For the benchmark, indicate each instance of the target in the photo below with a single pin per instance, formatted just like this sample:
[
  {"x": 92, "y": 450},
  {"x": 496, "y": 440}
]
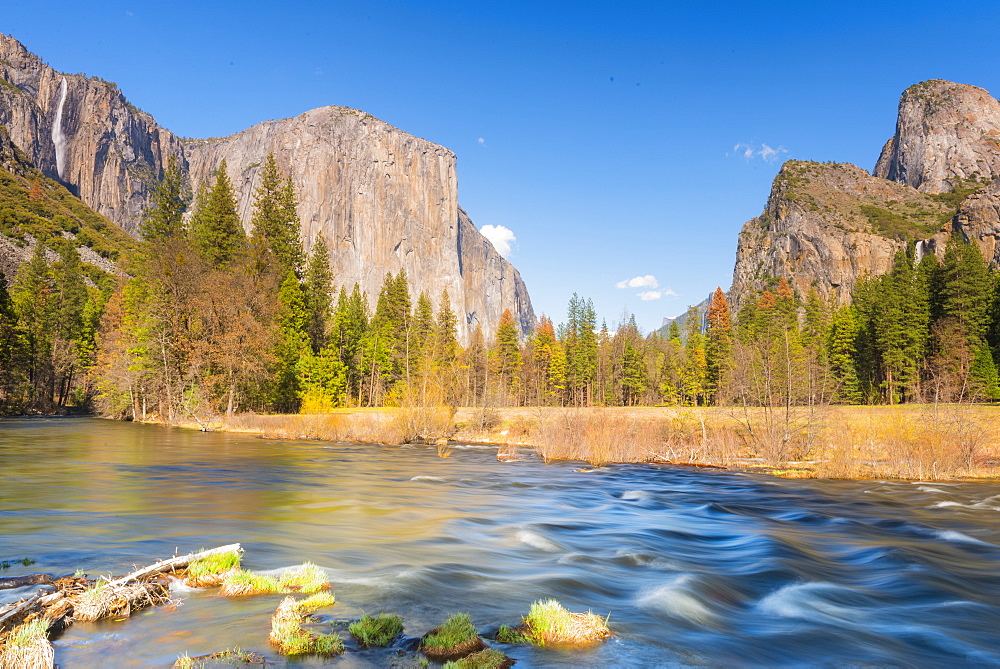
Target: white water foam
[
  {"x": 635, "y": 495},
  {"x": 429, "y": 479},
  {"x": 809, "y": 601},
  {"x": 952, "y": 535},
  {"x": 536, "y": 540},
  {"x": 679, "y": 599},
  {"x": 58, "y": 136}
]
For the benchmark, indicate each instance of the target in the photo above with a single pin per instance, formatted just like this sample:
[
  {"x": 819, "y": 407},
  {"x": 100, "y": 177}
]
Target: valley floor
[{"x": 860, "y": 442}]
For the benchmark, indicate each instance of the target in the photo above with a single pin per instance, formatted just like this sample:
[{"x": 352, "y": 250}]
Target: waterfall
[
  {"x": 918, "y": 252},
  {"x": 58, "y": 138}
]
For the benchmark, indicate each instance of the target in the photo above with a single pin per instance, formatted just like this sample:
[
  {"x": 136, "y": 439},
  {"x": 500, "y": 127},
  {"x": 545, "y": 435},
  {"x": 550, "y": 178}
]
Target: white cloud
[
  {"x": 481, "y": 140},
  {"x": 765, "y": 152},
  {"x": 648, "y": 281},
  {"x": 500, "y": 237},
  {"x": 649, "y": 295}
]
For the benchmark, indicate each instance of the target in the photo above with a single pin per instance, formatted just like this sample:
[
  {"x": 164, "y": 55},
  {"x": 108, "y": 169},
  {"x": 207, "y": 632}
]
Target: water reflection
[{"x": 694, "y": 567}]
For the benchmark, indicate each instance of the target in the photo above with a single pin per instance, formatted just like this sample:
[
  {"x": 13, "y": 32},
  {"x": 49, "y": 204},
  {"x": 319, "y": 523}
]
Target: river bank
[
  {"x": 913, "y": 442},
  {"x": 696, "y": 567}
]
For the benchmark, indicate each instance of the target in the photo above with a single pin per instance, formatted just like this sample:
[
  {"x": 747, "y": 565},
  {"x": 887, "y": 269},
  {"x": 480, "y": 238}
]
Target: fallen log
[
  {"x": 171, "y": 563},
  {"x": 20, "y": 581},
  {"x": 87, "y": 600},
  {"x": 12, "y": 614}
]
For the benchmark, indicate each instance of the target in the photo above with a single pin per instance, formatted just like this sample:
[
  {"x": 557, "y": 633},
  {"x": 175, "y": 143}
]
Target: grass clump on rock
[
  {"x": 453, "y": 640},
  {"x": 378, "y": 630},
  {"x": 229, "y": 657},
  {"x": 288, "y": 635},
  {"x": 211, "y": 569},
  {"x": 548, "y": 622},
  {"x": 306, "y": 579},
  {"x": 239, "y": 583},
  {"x": 28, "y": 646},
  {"x": 484, "y": 659}
]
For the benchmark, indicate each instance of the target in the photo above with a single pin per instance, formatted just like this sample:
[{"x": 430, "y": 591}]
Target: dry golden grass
[
  {"x": 907, "y": 441},
  {"x": 27, "y": 647},
  {"x": 103, "y": 600}
]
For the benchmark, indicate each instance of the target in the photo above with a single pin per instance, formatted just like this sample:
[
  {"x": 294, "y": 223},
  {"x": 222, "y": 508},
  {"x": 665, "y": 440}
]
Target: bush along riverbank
[{"x": 28, "y": 625}]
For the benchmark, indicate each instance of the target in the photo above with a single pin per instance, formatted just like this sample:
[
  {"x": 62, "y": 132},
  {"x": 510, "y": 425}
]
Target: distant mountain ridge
[
  {"x": 383, "y": 200},
  {"x": 827, "y": 225}
]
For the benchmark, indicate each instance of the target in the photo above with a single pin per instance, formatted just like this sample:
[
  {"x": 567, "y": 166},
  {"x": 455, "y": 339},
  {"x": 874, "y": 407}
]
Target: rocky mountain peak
[
  {"x": 946, "y": 135},
  {"x": 382, "y": 199}
]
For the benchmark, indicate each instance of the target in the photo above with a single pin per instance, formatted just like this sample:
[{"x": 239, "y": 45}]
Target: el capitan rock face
[
  {"x": 382, "y": 199},
  {"x": 826, "y": 225}
]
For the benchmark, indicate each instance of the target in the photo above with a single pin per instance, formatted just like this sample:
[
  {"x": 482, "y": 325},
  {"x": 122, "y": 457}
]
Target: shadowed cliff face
[
  {"x": 383, "y": 200},
  {"x": 825, "y": 226}
]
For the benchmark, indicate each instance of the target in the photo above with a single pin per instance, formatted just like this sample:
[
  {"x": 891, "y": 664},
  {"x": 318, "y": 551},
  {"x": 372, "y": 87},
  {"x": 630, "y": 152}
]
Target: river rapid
[{"x": 694, "y": 567}]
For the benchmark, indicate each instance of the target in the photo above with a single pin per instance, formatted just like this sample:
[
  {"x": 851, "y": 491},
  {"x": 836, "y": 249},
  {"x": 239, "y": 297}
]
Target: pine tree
[
  {"x": 317, "y": 288},
  {"x": 10, "y": 372},
  {"x": 719, "y": 344},
  {"x": 165, "y": 216},
  {"x": 581, "y": 349},
  {"x": 445, "y": 332},
  {"x": 216, "y": 230},
  {"x": 350, "y": 323},
  {"x": 275, "y": 217},
  {"x": 841, "y": 345},
  {"x": 505, "y": 357},
  {"x": 293, "y": 343}
]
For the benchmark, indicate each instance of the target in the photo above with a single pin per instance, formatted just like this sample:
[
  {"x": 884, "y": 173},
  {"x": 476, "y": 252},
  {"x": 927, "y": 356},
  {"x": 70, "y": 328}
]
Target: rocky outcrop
[
  {"x": 825, "y": 226},
  {"x": 382, "y": 199},
  {"x": 978, "y": 218},
  {"x": 107, "y": 152},
  {"x": 946, "y": 135}
]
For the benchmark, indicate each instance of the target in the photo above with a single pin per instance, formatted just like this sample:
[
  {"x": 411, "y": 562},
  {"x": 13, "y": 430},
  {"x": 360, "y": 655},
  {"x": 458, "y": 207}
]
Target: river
[{"x": 694, "y": 567}]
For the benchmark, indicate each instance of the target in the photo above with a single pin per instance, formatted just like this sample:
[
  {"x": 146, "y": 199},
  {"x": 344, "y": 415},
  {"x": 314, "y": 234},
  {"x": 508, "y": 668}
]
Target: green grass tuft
[
  {"x": 454, "y": 631},
  {"x": 510, "y": 635},
  {"x": 377, "y": 631},
  {"x": 307, "y": 579},
  {"x": 484, "y": 659},
  {"x": 548, "y": 622},
  {"x": 238, "y": 583},
  {"x": 315, "y": 602},
  {"x": 217, "y": 563}
]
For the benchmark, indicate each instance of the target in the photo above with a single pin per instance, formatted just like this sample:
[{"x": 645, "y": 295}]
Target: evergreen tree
[
  {"x": 216, "y": 231},
  {"x": 445, "y": 332},
  {"x": 317, "y": 288},
  {"x": 350, "y": 323},
  {"x": 841, "y": 345},
  {"x": 165, "y": 216},
  {"x": 275, "y": 217},
  {"x": 719, "y": 344},
  {"x": 505, "y": 357},
  {"x": 293, "y": 343},
  {"x": 581, "y": 349}
]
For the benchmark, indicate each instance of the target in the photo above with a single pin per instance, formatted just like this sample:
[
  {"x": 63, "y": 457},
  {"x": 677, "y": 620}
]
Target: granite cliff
[
  {"x": 382, "y": 199},
  {"x": 827, "y": 225}
]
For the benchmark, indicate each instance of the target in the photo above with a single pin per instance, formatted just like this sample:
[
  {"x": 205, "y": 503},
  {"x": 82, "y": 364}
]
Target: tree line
[{"x": 212, "y": 319}]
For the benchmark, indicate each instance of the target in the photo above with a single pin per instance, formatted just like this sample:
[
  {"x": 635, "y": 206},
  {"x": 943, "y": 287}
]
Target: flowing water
[
  {"x": 58, "y": 136},
  {"x": 694, "y": 567}
]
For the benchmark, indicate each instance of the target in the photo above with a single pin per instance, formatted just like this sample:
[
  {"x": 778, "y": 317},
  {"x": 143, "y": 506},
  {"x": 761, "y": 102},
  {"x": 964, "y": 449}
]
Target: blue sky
[{"x": 616, "y": 140}]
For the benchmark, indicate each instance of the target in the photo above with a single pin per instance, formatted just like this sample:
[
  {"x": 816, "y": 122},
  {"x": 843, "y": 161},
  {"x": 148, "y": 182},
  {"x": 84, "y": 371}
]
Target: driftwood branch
[
  {"x": 172, "y": 563},
  {"x": 21, "y": 581}
]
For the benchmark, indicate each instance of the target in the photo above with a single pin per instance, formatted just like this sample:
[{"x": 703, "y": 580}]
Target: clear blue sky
[{"x": 601, "y": 134}]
